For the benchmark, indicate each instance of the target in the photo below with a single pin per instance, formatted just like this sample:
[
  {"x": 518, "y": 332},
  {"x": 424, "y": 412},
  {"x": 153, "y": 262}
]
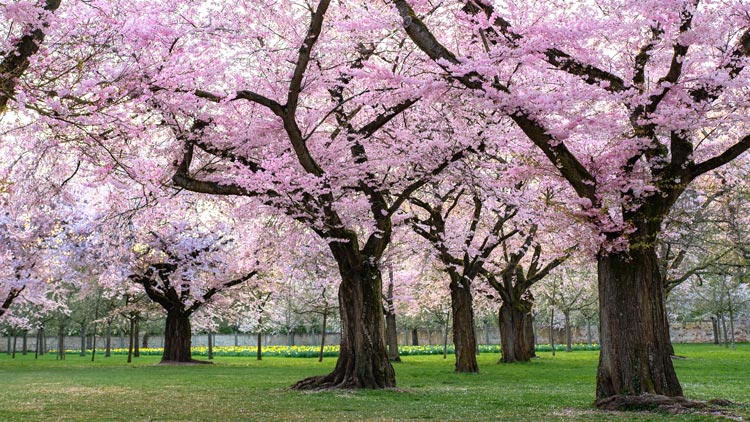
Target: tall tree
[{"x": 661, "y": 119}]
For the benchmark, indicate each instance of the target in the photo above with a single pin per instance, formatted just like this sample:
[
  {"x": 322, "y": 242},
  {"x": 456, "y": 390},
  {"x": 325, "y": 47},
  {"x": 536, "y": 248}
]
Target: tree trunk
[
  {"x": 260, "y": 347},
  {"x": 589, "y": 341},
  {"x": 15, "y": 339},
  {"x": 445, "y": 339},
  {"x": 43, "y": 350},
  {"x": 177, "y": 336},
  {"x": 723, "y": 325},
  {"x": 83, "y": 340},
  {"x": 552, "y": 330},
  {"x": 568, "y": 336},
  {"x": 108, "y": 341},
  {"x": 145, "y": 341},
  {"x": 210, "y": 345},
  {"x": 516, "y": 333},
  {"x": 715, "y": 326},
  {"x": 25, "y": 345},
  {"x": 464, "y": 335},
  {"x": 415, "y": 337},
  {"x": 391, "y": 333},
  {"x": 731, "y": 325},
  {"x": 634, "y": 358},
  {"x": 132, "y": 335},
  {"x": 136, "y": 337},
  {"x": 38, "y": 343},
  {"x": 323, "y": 333},
  {"x": 61, "y": 344},
  {"x": 363, "y": 357}
]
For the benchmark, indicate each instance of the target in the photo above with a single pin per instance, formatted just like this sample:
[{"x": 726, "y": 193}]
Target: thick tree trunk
[
  {"x": 464, "y": 335},
  {"x": 634, "y": 357},
  {"x": 363, "y": 357},
  {"x": 415, "y": 337},
  {"x": 516, "y": 333},
  {"x": 177, "y": 336}
]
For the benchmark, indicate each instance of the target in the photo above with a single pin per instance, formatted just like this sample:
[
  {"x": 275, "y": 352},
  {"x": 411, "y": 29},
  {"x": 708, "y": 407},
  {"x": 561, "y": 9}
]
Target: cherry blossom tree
[
  {"x": 629, "y": 122},
  {"x": 318, "y": 125},
  {"x": 25, "y": 24},
  {"x": 180, "y": 265}
]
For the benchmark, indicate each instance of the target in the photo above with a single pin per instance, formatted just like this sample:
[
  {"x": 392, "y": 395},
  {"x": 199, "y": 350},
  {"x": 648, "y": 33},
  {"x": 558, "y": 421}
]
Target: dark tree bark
[
  {"x": 108, "y": 340},
  {"x": 568, "y": 335},
  {"x": 415, "y": 337},
  {"x": 24, "y": 343},
  {"x": 132, "y": 339},
  {"x": 391, "y": 330},
  {"x": 516, "y": 332},
  {"x": 15, "y": 339},
  {"x": 259, "y": 352},
  {"x": 38, "y": 344},
  {"x": 177, "y": 338},
  {"x": 552, "y": 330},
  {"x": 715, "y": 326},
  {"x": 464, "y": 336},
  {"x": 136, "y": 337},
  {"x": 363, "y": 358},
  {"x": 323, "y": 332},
  {"x": 210, "y": 345},
  {"x": 634, "y": 357},
  {"x": 445, "y": 339},
  {"x": 83, "y": 340},
  {"x": 61, "y": 344}
]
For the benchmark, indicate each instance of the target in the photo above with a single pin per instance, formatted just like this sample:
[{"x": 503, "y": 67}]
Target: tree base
[
  {"x": 664, "y": 404},
  {"x": 334, "y": 381},
  {"x": 190, "y": 362}
]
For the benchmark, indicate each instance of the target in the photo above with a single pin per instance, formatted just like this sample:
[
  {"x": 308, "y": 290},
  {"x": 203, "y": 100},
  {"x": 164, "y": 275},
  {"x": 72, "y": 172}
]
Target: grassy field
[{"x": 559, "y": 388}]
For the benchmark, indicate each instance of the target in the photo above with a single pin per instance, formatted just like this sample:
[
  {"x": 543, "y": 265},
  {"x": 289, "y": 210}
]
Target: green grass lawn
[{"x": 559, "y": 388}]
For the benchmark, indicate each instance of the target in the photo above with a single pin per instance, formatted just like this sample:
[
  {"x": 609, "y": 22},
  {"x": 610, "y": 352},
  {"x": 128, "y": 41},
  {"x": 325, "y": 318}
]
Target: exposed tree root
[
  {"x": 665, "y": 404},
  {"x": 190, "y": 362},
  {"x": 335, "y": 381}
]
